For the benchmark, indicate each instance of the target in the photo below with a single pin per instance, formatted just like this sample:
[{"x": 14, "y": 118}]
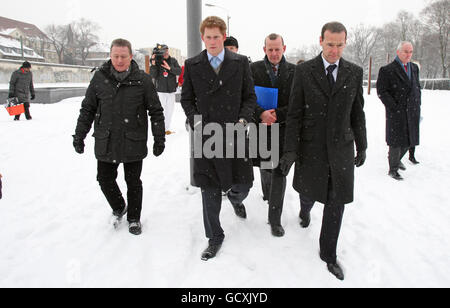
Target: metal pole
[
  {"x": 194, "y": 19},
  {"x": 194, "y": 45},
  {"x": 228, "y": 25},
  {"x": 370, "y": 75}
]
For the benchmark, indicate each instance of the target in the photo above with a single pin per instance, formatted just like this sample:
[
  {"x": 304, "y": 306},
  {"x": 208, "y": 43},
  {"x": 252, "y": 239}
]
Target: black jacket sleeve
[
  {"x": 248, "y": 104},
  {"x": 358, "y": 117},
  {"x": 383, "y": 89},
  {"x": 88, "y": 111},
  {"x": 155, "y": 111},
  {"x": 295, "y": 113},
  {"x": 188, "y": 98}
]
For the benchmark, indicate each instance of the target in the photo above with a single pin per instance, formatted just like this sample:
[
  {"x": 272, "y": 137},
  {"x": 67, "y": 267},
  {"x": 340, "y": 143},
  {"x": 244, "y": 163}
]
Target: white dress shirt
[{"x": 326, "y": 64}]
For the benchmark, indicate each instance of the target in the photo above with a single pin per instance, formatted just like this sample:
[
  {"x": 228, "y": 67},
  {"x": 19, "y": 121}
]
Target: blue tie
[{"x": 215, "y": 62}]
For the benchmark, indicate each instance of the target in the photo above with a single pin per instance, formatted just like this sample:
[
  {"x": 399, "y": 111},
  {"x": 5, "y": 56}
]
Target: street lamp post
[{"x": 228, "y": 15}]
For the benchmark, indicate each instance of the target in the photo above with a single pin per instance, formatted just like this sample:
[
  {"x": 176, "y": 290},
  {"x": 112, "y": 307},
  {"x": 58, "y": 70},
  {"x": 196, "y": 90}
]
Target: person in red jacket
[{"x": 181, "y": 78}]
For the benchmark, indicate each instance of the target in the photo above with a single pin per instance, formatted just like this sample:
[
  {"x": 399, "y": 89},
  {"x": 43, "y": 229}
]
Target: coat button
[{"x": 126, "y": 120}]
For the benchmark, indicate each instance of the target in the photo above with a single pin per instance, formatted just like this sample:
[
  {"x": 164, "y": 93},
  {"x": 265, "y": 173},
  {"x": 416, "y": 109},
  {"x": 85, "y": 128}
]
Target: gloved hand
[
  {"x": 158, "y": 148},
  {"x": 78, "y": 144},
  {"x": 360, "y": 159},
  {"x": 287, "y": 161},
  {"x": 33, "y": 97}
]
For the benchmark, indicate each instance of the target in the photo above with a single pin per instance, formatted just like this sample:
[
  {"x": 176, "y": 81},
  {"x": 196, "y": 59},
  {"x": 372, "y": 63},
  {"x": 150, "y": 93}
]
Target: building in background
[{"x": 37, "y": 46}]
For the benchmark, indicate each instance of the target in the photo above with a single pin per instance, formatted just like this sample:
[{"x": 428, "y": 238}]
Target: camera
[{"x": 159, "y": 52}]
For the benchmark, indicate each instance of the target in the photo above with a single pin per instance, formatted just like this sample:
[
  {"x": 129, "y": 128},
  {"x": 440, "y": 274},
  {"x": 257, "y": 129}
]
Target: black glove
[
  {"x": 78, "y": 144},
  {"x": 360, "y": 159},
  {"x": 158, "y": 148},
  {"x": 287, "y": 161},
  {"x": 33, "y": 97}
]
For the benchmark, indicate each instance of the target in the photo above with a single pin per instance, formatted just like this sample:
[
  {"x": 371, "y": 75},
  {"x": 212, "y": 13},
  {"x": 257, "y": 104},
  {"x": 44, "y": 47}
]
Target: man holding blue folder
[{"x": 273, "y": 78}]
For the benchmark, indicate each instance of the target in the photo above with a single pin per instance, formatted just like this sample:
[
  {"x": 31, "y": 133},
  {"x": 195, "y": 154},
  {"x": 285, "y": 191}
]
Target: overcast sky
[{"x": 146, "y": 23}]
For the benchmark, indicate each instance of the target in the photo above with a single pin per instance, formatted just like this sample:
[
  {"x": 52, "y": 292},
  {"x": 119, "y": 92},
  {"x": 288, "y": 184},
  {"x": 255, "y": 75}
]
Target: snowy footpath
[{"x": 55, "y": 226}]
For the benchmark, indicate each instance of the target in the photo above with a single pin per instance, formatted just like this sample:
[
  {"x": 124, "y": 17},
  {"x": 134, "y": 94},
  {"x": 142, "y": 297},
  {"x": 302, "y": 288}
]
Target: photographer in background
[{"x": 164, "y": 71}]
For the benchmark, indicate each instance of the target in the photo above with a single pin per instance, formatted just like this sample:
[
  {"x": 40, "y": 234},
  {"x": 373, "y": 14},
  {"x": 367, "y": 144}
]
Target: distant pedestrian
[
  {"x": 21, "y": 86},
  {"x": 165, "y": 78},
  {"x": 1, "y": 185},
  {"x": 232, "y": 44},
  {"x": 398, "y": 88},
  {"x": 117, "y": 101}
]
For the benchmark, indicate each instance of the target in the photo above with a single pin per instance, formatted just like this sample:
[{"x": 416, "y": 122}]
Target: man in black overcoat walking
[
  {"x": 325, "y": 121},
  {"x": 398, "y": 87},
  {"x": 218, "y": 87},
  {"x": 274, "y": 72}
]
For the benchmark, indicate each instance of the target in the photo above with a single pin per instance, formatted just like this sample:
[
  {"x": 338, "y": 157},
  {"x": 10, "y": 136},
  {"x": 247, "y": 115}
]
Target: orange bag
[{"x": 14, "y": 107}]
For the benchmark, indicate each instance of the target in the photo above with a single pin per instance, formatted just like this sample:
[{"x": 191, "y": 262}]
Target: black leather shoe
[
  {"x": 305, "y": 220},
  {"x": 401, "y": 166},
  {"x": 277, "y": 230},
  {"x": 413, "y": 161},
  {"x": 210, "y": 252},
  {"x": 240, "y": 211},
  {"x": 395, "y": 175},
  {"x": 135, "y": 228},
  {"x": 336, "y": 270}
]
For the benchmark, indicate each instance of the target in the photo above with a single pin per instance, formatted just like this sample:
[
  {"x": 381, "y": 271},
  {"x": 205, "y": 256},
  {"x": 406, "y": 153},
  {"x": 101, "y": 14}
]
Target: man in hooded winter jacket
[
  {"x": 21, "y": 86},
  {"x": 117, "y": 101}
]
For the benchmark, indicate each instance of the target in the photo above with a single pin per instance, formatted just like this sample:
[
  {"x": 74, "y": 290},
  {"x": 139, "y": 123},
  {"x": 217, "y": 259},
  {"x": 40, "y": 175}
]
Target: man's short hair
[
  {"x": 334, "y": 27},
  {"x": 213, "y": 22},
  {"x": 273, "y": 37},
  {"x": 231, "y": 41},
  {"x": 403, "y": 43},
  {"x": 122, "y": 43}
]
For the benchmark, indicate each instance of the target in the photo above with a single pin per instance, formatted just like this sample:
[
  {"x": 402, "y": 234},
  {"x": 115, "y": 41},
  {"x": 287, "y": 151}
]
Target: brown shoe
[{"x": 168, "y": 133}]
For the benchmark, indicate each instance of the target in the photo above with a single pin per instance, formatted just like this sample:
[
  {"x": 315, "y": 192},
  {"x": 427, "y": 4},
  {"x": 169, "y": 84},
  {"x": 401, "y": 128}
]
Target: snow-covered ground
[{"x": 55, "y": 231}]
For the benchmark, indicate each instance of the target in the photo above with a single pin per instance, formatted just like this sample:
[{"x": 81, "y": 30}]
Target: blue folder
[{"x": 267, "y": 97}]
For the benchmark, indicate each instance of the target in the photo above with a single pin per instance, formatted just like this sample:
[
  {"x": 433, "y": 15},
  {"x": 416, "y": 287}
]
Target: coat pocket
[
  {"x": 135, "y": 144},
  {"x": 101, "y": 142}
]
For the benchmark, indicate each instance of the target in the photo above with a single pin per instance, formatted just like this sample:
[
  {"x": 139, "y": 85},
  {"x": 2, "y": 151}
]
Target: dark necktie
[{"x": 330, "y": 70}]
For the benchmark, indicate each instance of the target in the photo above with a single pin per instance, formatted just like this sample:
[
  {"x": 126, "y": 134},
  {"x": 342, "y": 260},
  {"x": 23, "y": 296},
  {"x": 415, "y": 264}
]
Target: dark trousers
[
  {"x": 266, "y": 182},
  {"x": 395, "y": 156},
  {"x": 107, "y": 176},
  {"x": 27, "y": 112},
  {"x": 412, "y": 152},
  {"x": 331, "y": 222},
  {"x": 212, "y": 205},
  {"x": 331, "y": 227},
  {"x": 276, "y": 198}
]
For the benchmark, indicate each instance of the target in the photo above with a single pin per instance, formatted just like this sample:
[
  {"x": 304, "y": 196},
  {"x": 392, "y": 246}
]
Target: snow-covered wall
[{"x": 47, "y": 73}]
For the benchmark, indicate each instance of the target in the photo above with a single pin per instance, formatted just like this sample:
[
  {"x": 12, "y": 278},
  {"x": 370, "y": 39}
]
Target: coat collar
[
  {"x": 319, "y": 74},
  {"x": 134, "y": 67},
  {"x": 400, "y": 71},
  {"x": 229, "y": 67}
]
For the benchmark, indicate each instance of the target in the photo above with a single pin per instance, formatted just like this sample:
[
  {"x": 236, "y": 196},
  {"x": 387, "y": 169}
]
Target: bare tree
[
  {"x": 361, "y": 43},
  {"x": 85, "y": 35},
  {"x": 437, "y": 20},
  {"x": 58, "y": 36}
]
